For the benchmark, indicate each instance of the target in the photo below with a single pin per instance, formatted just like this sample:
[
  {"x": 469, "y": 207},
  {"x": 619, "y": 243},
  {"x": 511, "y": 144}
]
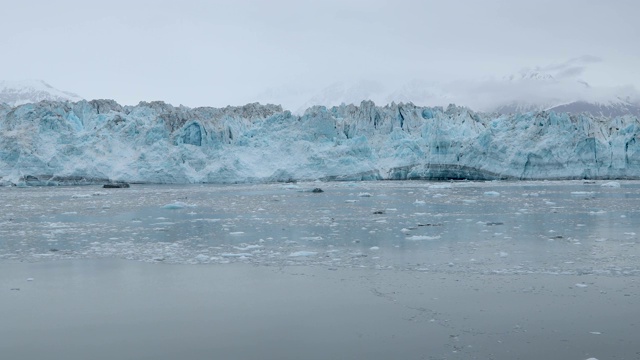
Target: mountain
[
  {"x": 49, "y": 143},
  {"x": 539, "y": 91},
  {"x": 16, "y": 93},
  {"x": 612, "y": 109}
]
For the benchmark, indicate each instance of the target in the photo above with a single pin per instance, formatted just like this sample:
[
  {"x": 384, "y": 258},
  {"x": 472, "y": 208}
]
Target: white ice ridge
[{"x": 90, "y": 141}]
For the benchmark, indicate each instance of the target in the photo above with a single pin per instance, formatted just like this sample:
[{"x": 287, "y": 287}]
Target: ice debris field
[
  {"x": 550, "y": 227},
  {"x": 50, "y": 143}
]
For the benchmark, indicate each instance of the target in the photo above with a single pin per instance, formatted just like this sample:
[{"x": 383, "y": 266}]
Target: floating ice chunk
[
  {"x": 248, "y": 247},
  {"x": 303, "y": 253},
  {"x": 581, "y": 285},
  {"x": 176, "y": 205},
  {"x": 236, "y": 233},
  {"x": 30, "y": 279},
  {"x": 598, "y": 212},
  {"x": 422, "y": 237},
  {"x": 374, "y": 248},
  {"x": 611, "y": 184},
  {"x": 503, "y": 254},
  {"x": 202, "y": 258},
  {"x": 232, "y": 255},
  {"x": 351, "y": 201},
  {"x": 582, "y": 193},
  {"x": 365, "y": 194},
  {"x": 491, "y": 193},
  {"x": 81, "y": 196},
  {"x": 405, "y": 230},
  {"x": 290, "y": 186},
  {"x": 595, "y": 333},
  {"x": 440, "y": 186},
  {"x": 312, "y": 238}
]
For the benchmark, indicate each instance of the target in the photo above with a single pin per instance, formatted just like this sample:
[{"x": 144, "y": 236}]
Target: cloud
[
  {"x": 569, "y": 69},
  {"x": 570, "y": 72},
  {"x": 539, "y": 88}
]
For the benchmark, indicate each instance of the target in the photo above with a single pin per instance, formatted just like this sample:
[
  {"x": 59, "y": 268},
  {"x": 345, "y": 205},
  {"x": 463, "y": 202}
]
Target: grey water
[
  {"x": 566, "y": 227},
  {"x": 376, "y": 270}
]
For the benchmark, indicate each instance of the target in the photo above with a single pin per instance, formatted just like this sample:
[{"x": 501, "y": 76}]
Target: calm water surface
[{"x": 368, "y": 270}]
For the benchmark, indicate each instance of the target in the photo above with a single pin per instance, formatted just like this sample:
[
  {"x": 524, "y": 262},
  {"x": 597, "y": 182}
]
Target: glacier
[{"x": 84, "y": 142}]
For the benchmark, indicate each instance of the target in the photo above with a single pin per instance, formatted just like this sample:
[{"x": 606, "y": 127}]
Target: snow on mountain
[
  {"x": 535, "y": 90},
  {"x": 16, "y": 93},
  {"x": 611, "y": 109},
  {"x": 92, "y": 141}
]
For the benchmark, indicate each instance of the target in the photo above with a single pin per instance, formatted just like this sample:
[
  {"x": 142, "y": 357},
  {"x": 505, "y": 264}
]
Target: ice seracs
[{"x": 100, "y": 141}]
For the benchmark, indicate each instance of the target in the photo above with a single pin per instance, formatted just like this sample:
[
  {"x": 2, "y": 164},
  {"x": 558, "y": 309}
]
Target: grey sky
[{"x": 227, "y": 52}]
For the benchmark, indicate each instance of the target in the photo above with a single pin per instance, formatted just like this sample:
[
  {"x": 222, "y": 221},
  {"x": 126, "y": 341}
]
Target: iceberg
[{"x": 98, "y": 141}]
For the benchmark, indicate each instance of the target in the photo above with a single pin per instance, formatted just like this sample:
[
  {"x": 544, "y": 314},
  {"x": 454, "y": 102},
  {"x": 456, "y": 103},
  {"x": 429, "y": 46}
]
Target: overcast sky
[{"x": 218, "y": 53}]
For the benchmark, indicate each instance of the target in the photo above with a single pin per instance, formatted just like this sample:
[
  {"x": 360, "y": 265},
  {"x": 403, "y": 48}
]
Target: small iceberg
[
  {"x": 303, "y": 254},
  {"x": 236, "y": 255},
  {"x": 176, "y": 205},
  {"x": 422, "y": 237},
  {"x": 440, "y": 186}
]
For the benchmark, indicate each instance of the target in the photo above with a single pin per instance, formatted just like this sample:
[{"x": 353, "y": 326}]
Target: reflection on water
[{"x": 490, "y": 227}]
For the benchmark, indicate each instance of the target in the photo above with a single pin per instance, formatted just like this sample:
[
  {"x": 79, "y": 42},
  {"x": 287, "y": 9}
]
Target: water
[
  {"x": 375, "y": 270},
  {"x": 564, "y": 227}
]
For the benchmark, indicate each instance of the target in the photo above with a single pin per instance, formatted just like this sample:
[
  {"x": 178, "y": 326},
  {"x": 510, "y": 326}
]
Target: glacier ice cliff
[{"x": 99, "y": 140}]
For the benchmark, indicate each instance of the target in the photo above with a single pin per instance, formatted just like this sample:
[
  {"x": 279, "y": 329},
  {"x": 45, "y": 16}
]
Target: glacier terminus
[{"x": 54, "y": 143}]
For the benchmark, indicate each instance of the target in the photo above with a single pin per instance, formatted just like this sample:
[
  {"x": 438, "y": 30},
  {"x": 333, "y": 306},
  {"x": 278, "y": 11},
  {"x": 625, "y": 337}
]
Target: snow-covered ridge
[
  {"x": 16, "y": 93},
  {"x": 91, "y": 141}
]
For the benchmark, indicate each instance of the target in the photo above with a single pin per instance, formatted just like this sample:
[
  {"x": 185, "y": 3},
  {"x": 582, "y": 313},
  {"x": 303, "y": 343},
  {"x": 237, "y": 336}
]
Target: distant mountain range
[
  {"x": 16, "y": 93},
  {"x": 611, "y": 109},
  {"x": 568, "y": 96}
]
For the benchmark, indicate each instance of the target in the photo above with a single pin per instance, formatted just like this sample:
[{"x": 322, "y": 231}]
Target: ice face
[{"x": 93, "y": 141}]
